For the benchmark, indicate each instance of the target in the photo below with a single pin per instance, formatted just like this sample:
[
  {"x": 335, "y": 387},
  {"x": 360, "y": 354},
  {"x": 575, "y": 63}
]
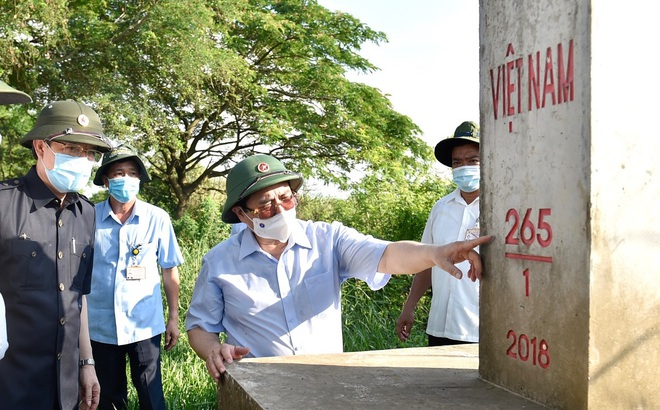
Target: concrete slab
[{"x": 414, "y": 378}]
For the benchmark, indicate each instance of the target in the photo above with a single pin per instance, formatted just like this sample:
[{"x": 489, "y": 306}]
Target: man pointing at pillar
[{"x": 274, "y": 288}]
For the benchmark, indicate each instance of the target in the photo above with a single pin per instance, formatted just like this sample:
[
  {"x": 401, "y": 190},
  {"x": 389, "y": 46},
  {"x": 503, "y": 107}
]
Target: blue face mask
[
  {"x": 124, "y": 189},
  {"x": 467, "y": 178},
  {"x": 69, "y": 174}
]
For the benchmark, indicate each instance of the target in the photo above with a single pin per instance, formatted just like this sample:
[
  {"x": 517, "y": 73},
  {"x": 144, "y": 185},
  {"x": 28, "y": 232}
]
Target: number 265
[{"x": 526, "y": 231}]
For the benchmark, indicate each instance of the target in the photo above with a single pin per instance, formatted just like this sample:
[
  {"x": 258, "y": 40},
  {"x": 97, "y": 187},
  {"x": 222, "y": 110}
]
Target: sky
[{"x": 430, "y": 66}]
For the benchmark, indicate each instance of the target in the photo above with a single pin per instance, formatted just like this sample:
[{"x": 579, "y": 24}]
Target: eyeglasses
[
  {"x": 268, "y": 210},
  {"x": 75, "y": 150}
]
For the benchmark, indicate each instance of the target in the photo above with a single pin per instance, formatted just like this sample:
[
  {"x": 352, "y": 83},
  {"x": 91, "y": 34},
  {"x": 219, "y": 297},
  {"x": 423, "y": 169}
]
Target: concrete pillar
[{"x": 570, "y": 306}]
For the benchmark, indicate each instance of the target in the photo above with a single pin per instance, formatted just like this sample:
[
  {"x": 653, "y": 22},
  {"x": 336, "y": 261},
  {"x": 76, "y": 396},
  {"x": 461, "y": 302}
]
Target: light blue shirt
[
  {"x": 287, "y": 306},
  {"x": 122, "y": 310}
]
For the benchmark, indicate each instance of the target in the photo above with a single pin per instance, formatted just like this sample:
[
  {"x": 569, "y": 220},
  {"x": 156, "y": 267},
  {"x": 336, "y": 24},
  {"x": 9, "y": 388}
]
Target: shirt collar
[
  {"x": 250, "y": 245},
  {"x": 456, "y": 196},
  {"x": 105, "y": 210},
  {"x": 42, "y": 195},
  {"x": 298, "y": 236}
]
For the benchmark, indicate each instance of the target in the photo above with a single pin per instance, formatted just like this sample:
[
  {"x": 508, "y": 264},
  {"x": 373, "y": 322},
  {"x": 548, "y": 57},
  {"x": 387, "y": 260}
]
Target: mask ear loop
[
  {"x": 42, "y": 156},
  {"x": 244, "y": 214}
]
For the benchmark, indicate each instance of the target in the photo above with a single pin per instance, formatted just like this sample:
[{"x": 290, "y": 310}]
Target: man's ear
[
  {"x": 38, "y": 147},
  {"x": 239, "y": 213}
]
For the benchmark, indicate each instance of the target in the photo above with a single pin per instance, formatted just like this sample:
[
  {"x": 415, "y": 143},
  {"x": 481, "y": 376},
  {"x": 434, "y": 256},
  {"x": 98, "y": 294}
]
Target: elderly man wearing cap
[
  {"x": 274, "y": 287},
  {"x": 454, "y": 313},
  {"x": 133, "y": 238},
  {"x": 8, "y": 95},
  {"x": 47, "y": 238}
]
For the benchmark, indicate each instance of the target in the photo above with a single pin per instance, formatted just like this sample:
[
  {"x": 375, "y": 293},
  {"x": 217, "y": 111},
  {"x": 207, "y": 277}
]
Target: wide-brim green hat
[
  {"x": 123, "y": 152},
  {"x": 68, "y": 121},
  {"x": 465, "y": 133},
  {"x": 10, "y": 95},
  {"x": 251, "y": 175}
]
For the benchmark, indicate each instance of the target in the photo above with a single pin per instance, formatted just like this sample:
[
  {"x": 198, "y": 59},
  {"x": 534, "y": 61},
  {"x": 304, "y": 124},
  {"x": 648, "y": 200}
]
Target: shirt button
[
  {"x": 59, "y": 355},
  {"x": 33, "y": 254},
  {"x": 84, "y": 255},
  {"x": 59, "y": 255},
  {"x": 61, "y": 286},
  {"x": 59, "y": 223},
  {"x": 62, "y": 321}
]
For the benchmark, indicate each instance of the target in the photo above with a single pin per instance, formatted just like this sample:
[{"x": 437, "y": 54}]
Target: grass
[{"x": 369, "y": 324}]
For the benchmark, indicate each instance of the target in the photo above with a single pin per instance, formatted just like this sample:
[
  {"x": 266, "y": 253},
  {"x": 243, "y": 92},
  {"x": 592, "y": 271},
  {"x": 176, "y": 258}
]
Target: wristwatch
[{"x": 84, "y": 362}]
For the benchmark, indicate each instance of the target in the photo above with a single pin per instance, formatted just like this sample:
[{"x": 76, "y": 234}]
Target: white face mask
[{"x": 277, "y": 227}]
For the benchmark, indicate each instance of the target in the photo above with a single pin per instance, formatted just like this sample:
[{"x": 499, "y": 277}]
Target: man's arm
[
  {"x": 90, "y": 390},
  {"x": 421, "y": 283},
  {"x": 411, "y": 257},
  {"x": 208, "y": 347},
  {"x": 171, "y": 284}
]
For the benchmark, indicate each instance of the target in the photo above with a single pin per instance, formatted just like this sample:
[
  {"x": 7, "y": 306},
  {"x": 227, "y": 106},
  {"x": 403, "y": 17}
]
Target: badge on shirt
[
  {"x": 136, "y": 272},
  {"x": 472, "y": 233}
]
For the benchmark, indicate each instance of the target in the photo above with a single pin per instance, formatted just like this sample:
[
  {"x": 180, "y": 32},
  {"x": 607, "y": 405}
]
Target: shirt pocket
[
  {"x": 323, "y": 291},
  {"x": 81, "y": 264},
  {"x": 147, "y": 255},
  {"x": 29, "y": 265}
]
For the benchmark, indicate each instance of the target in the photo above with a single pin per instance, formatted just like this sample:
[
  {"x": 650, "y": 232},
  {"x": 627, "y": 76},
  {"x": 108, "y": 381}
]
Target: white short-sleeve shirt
[{"x": 454, "y": 312}]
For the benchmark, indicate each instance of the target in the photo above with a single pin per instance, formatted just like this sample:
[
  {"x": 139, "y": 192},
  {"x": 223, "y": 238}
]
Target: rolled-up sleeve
[
  {"x": 359, "y": 256},
  {"x": 207, "y": 304}
]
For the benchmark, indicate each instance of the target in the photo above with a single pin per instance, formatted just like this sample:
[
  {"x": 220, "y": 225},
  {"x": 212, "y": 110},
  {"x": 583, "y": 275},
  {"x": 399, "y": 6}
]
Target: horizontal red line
[{"x": 536, "y": 258}]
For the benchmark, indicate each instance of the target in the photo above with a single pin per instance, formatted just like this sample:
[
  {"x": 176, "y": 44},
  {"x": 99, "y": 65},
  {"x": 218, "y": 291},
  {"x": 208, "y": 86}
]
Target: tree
[
  {"x": 28, "y": 29},
  {"x": 200, "y": 84}
]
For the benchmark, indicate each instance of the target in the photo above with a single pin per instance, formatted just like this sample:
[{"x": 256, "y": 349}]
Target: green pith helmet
[
  {"x": 251, "y": 175},
  {"x": 121, "y": 153},
  {"x": 68, "y": 121},
  {"x": 10, "y": 95},
  {"x": 465, "y": 133}
]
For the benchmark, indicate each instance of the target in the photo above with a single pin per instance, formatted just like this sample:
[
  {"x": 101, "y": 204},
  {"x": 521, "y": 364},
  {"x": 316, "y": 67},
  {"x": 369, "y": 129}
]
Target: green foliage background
[{"x": 197, "y": 85}]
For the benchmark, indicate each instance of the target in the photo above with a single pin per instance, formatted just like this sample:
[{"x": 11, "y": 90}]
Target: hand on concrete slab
[{"x": 227, "y": 353}]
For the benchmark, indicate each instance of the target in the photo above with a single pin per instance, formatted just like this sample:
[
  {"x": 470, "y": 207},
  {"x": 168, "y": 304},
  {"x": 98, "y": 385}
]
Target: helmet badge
[
  {"x": 83, "y": 120},
  {"x": 263, "y": 167}
]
